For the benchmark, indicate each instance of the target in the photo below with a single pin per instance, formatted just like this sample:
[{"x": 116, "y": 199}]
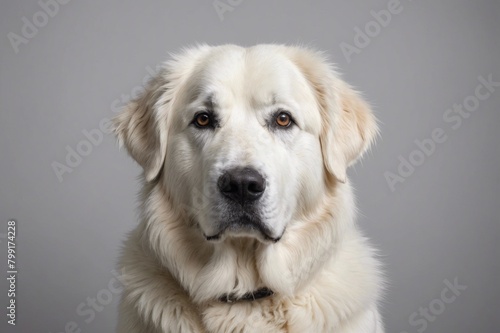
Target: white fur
[{"x": 323, "y": 271}]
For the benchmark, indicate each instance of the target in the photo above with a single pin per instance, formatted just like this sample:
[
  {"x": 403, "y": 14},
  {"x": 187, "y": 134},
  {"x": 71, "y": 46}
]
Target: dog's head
[{"x": 246, "y": 139}]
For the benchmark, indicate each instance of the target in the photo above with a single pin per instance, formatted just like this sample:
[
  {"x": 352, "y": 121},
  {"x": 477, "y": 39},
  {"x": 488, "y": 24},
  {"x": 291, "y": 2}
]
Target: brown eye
[
  {"x": 202, "y": 119},
  {"x": 283, "y": 119}
]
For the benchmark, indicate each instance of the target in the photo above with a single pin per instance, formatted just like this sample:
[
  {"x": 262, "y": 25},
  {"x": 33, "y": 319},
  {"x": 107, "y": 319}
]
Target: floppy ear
[
  {"x": 142, "y": 127},
  {"x": 349, "y": 131},
  {"x": 348, "y": 124}
]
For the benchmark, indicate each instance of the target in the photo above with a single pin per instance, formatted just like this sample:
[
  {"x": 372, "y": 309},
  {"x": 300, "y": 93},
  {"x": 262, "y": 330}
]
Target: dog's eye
[
  {"x": 202, "y": 119},
  {"x": 283, "y": 119}
]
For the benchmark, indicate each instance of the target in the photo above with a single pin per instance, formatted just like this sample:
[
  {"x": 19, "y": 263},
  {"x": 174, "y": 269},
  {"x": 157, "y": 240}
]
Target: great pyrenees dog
[{"x": 247, "y": 217}]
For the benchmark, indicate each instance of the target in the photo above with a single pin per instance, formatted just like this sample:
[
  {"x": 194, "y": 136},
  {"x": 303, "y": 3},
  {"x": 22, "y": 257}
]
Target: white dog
[{"x": 247, "y": 216}]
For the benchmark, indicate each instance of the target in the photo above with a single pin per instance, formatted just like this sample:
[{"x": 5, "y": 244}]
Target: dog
[{"x": 247, "y": 217}]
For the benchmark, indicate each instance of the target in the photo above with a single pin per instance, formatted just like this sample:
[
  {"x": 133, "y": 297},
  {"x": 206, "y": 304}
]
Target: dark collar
[{"x": 251, "y": 296}]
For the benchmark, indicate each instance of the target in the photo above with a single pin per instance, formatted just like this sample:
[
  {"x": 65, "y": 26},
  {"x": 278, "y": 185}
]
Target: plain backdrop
[{"x": 438, "y": 221}]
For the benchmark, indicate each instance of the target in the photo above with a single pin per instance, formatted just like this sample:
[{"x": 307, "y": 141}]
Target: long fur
[{"x": 324, "y": 272}]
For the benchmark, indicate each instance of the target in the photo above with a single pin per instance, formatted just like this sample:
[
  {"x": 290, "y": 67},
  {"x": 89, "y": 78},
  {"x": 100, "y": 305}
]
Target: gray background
[{"x": 441, "y": 223}]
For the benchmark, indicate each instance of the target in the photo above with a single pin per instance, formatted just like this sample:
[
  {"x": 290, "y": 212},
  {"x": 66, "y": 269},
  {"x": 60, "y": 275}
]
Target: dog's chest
[{"x": 246, "y": 317}]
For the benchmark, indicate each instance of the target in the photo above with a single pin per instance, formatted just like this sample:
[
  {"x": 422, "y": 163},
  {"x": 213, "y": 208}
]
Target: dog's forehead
[{"x": 257, "y": 77}]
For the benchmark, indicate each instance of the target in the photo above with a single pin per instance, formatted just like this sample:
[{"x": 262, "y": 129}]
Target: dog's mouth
[{"x": 244, "y": 226}]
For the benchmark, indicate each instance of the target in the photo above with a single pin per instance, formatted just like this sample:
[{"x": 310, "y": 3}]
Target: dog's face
[
  {"x": 244, "y": 140},
  {"x": 244, "y": 145}
]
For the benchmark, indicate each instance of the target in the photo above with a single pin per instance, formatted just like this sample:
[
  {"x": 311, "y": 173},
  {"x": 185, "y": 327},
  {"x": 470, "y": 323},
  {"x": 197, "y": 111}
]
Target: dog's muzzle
[{"x": 240, "y": 190}]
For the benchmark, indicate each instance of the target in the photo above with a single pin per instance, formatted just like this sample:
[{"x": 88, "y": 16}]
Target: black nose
[{"x": 242, "y": 184}]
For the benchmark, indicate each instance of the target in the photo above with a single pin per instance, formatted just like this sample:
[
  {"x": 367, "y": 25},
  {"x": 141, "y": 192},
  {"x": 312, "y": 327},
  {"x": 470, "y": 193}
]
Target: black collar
[{"x": 251, "y": 296}]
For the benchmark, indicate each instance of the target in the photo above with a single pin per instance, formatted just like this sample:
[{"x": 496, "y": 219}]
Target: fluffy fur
[{"x": 323, "y": 271}]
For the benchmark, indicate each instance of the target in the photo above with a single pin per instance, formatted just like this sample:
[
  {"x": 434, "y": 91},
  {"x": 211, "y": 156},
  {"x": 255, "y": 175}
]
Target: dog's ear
[
  {"x": 142, "y": 127},
  {"x": 349, "y": 131},
  {"x": 348, "y": 124}
]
